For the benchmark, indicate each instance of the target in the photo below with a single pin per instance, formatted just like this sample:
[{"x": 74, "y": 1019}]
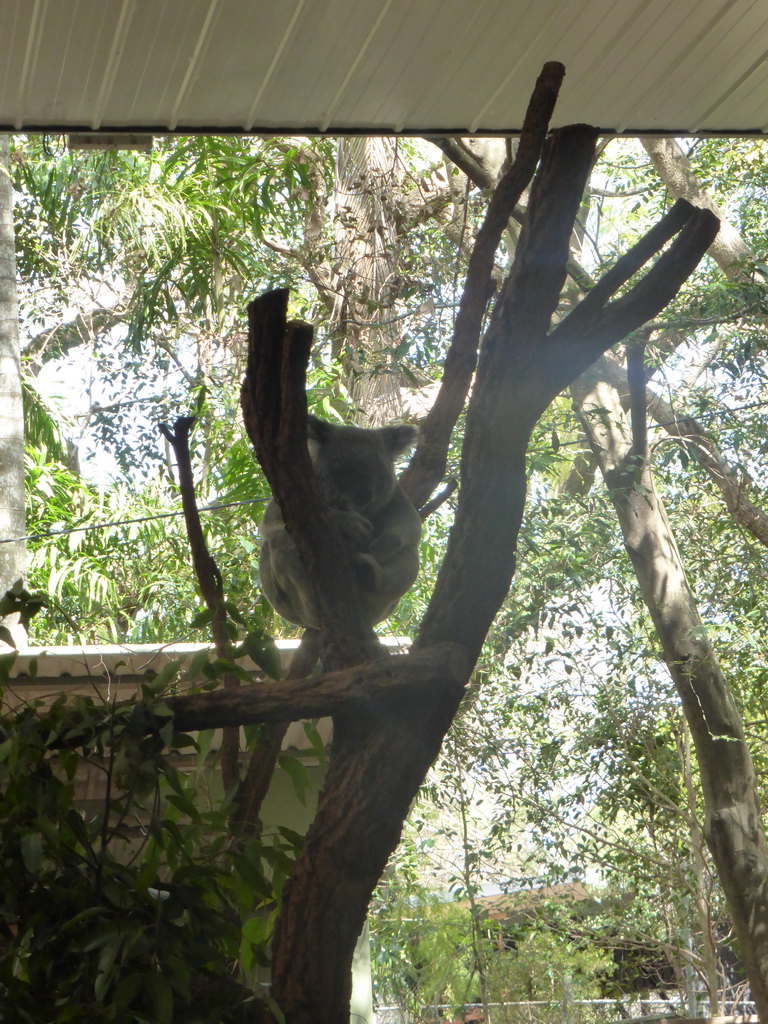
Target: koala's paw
[
  {"x": 385, "y": 547},
  {"x": 355, "y": 528},
  {"x": 368, "y": 570}
]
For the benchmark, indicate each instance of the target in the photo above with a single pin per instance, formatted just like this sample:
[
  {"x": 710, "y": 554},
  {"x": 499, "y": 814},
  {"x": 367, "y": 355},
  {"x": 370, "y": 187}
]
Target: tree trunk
[
  {"x": 383, "y": 748},
  {"x": 733, "y": 825},
  {"x": 674, "y": 169},
  {"x": 382, "y": 751},
  {"x": 701, "y": 875},
  {"x": 366, "y": 247},
  {"x": 12, "y": 554}
]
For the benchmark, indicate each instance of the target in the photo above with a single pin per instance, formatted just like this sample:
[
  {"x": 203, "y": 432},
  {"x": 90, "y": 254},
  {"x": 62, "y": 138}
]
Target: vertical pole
[{"x": 13, "y": 554}]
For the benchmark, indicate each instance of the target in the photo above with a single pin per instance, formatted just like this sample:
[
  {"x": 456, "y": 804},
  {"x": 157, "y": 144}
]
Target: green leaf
[
  {"x": 11, "y": 599},
  {"x": 234, "y": 612},
  {"x": 31, "y": 846},
  {"x": 202, "y": 618},
  {"x": 199, "y": 661},
  {"x": 263, "y": 651},
  {"x": 105, "y": 975},
  {"x": 166, "y": 675},
  {"x": 161, "y": 995},
  {"x": 295, "y": 768},
  {"x": 7, "y": 660}
]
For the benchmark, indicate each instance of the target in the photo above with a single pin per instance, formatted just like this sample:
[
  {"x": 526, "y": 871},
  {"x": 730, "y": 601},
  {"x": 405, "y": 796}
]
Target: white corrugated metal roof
[{"x": 305, "y": 66}]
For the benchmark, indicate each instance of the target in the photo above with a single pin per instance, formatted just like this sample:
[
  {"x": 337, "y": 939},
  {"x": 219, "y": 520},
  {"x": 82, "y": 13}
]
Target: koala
[{"x": 356, "y": 477}]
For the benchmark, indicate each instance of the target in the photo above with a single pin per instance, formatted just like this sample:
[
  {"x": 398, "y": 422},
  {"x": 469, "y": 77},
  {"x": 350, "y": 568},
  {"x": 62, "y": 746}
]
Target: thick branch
[
  {"x": 733, "y": 485},
  {"x": 383, "y": 682},
  {"x": 628, "y": 265},
  {"x": 467, "y": 161},
  {"x": 480, "y": 560},
  {"x": 59, "y": 340},
  {"x": 728, "y": 249},
  {"x": 592, "y": 328}
]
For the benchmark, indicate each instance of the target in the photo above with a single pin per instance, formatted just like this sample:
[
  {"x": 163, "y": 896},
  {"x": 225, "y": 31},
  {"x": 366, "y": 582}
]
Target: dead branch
[{"x": 208, "y": 578}]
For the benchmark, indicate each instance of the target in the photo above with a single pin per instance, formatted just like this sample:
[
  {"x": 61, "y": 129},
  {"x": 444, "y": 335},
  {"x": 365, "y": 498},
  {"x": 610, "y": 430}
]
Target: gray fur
[{"x": 356, "y": 476}]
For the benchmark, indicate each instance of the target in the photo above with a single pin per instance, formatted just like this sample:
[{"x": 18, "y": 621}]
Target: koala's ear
[
  {"x": 397, "y": 439},
  {"x": 318, "y": 430}
]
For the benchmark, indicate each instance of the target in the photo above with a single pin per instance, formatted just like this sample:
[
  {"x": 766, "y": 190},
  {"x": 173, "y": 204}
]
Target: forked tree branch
[{"x": 592, "y": 327}]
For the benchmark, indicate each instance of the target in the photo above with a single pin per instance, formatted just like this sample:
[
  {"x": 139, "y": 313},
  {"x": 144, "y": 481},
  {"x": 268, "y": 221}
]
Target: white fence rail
[{"x": 593, "y": 1011}]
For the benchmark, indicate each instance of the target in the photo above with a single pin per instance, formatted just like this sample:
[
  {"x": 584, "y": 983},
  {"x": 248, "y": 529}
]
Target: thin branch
[
  {"x": 638, "y": 406},
  {"x": 206, "y": 570},
  {"x": 733, "y": 485},
  {"x": 262, "y": 762},
  {"x": 439, "y": 499},
  {"x": 428, "y": 463}
]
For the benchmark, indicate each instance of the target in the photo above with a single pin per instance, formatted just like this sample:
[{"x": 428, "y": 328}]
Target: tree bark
[
  {"x": 733, "y": 825},
  {"x": 428, "y": 464},
  {"x": 12, "y": 519},
  {"x": 367, "y": 248},
  {"x": 210, "y": 582}
]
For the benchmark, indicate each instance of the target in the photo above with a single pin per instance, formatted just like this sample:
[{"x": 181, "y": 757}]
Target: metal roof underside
[{"x": 380, "y": 66}]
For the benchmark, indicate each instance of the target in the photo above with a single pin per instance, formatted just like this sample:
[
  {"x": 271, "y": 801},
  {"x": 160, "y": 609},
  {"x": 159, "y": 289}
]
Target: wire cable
[{"x": 127, "y": 522}]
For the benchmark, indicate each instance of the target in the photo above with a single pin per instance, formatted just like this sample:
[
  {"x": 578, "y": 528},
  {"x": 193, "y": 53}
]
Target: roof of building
[{"x": 380, "y": 66}]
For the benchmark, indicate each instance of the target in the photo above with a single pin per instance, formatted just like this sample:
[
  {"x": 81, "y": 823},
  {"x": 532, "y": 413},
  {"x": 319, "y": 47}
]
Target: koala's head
[{"x": 354, "y": 466}]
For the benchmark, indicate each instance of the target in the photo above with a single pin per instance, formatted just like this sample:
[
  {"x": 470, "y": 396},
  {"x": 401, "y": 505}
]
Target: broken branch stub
[{"x": 273, "y": 400}]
